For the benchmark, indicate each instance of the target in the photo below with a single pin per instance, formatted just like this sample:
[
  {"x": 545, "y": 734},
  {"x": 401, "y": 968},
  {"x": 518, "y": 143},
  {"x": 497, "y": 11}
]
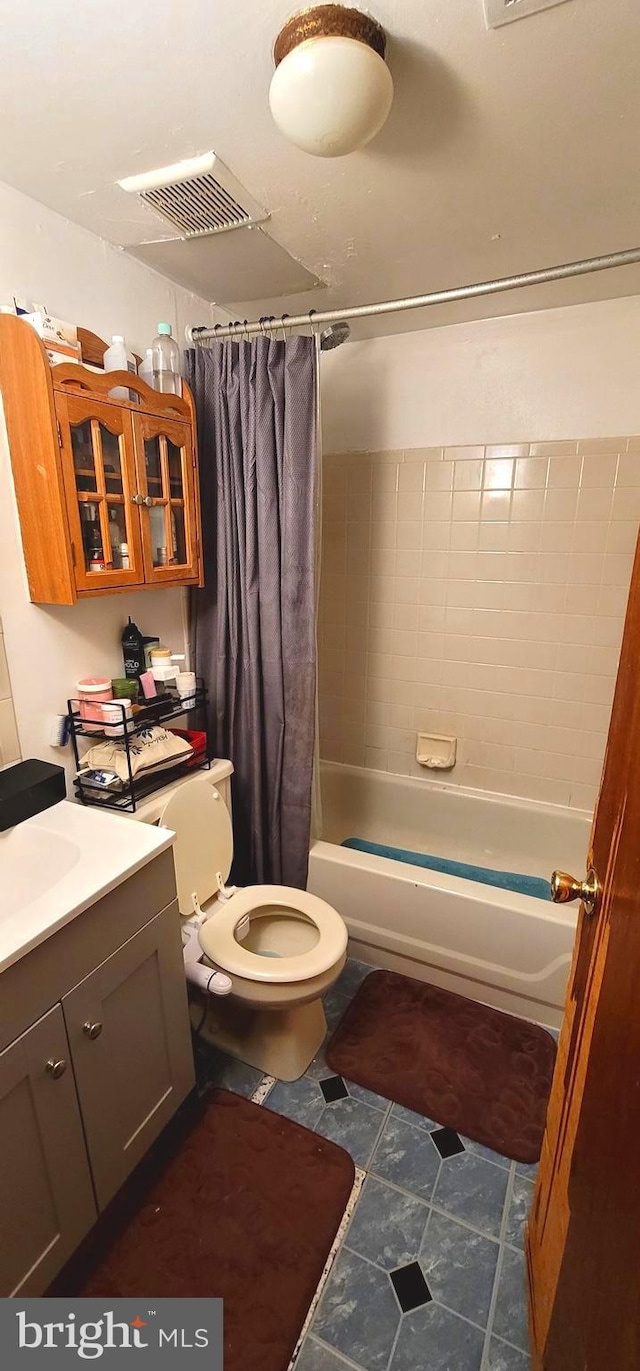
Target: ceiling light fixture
[{"x": 332, "y": 90}]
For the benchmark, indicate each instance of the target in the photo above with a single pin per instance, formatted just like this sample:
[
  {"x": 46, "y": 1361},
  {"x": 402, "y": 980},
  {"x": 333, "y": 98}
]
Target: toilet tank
[{"x": 219, "y": 775}]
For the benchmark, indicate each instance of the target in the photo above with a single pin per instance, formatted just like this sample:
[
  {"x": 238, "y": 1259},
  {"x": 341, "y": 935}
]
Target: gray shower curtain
[{"x": 253, "y": 624}]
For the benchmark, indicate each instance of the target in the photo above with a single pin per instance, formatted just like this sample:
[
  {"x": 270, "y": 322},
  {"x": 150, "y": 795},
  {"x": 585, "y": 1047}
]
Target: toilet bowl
[{"x": 281, "y": 948}]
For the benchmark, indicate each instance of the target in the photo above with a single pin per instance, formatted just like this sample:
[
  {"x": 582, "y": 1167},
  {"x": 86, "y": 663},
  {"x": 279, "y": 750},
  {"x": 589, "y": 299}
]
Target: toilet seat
[
  {"x": 219, "y": 942},
  {"x": 203, "y": 854}
]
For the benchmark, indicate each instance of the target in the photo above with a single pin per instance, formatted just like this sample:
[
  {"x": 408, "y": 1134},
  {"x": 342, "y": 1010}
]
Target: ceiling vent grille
[
  {"x": 197, "y": 197},
  {"x": 498, "y": 12}
]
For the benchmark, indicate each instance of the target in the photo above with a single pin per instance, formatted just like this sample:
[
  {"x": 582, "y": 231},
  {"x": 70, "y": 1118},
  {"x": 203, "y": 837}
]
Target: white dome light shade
[{"x": 331, "y": 95}]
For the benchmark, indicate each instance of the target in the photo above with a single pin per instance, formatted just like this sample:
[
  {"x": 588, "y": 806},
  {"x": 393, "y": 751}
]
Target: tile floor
[{"x": 428, "y": 1270}]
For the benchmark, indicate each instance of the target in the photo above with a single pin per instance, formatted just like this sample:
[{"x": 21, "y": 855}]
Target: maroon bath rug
[
  {"x": 467, "y": 1067},
  {"x": 246, "y": 1208}
]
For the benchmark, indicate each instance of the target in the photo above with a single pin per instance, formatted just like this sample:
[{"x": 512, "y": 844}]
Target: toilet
[{"x": 281, "y": 948}]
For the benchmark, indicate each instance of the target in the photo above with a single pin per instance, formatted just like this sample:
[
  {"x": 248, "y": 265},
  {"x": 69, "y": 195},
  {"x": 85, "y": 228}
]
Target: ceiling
[{"x": 505, "y": 150}]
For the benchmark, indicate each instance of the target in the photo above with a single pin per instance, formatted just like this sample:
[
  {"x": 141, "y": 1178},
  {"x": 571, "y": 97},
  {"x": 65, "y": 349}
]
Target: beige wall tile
[
  {"x": 9, "y": 745},
  {"x": 602, "y": 445},
  {"x": 563, "y": 449},
  {"x": 5, "y": 684},
  {"x": 9, "y": 741}
]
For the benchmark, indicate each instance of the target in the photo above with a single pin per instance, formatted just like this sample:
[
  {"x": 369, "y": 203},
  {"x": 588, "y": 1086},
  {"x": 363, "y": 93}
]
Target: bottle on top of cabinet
[
  {"x": 117, "y": 358},
  {"x": 166, "y": 362}
]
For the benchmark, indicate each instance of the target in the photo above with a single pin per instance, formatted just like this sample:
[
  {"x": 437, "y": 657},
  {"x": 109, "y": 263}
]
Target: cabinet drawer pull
[
  {"x": 56, "y": 1069},
  {"x": 92, "y": 1030}
]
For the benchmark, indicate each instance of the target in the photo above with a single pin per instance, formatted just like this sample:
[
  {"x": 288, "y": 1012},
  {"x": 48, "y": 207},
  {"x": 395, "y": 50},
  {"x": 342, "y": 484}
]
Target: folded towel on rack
[{"x": 153, "y": 749}]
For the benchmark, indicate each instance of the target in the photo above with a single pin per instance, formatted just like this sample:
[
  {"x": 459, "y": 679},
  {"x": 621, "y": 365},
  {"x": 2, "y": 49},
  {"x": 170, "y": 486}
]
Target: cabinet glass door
[
  {"x": 97, "y": 446},
  {"x": 167, "y": 480}
]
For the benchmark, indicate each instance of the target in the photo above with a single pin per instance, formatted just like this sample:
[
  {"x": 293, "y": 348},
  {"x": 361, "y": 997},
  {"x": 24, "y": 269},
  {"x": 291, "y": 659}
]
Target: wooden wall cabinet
[
  {"x": 87, "y": 1085},
  {"x": 107, "y": 488}
]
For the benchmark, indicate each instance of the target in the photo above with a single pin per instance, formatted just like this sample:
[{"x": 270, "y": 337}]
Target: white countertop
[{"x": 57, "y": 864}]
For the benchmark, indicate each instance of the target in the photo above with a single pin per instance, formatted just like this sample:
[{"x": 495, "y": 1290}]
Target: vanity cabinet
[
  {"x": 91, "y": 1082},
  {"x": 106, "y": 486}
]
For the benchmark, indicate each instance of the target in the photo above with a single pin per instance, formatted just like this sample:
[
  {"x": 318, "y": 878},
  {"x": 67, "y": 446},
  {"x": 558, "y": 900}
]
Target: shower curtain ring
[
  {"x": 283, "y": 317},
  {"x": 312, "y": 326}
]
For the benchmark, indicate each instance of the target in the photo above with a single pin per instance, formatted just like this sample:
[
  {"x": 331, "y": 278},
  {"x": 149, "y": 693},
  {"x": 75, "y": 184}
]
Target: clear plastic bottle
[{"x": 166, "y": 362}]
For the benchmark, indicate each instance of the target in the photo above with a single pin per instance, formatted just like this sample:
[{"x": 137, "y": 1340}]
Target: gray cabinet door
[
  {"x": 46, "y": 1197},
  {"x": 128, "y": 1028}
]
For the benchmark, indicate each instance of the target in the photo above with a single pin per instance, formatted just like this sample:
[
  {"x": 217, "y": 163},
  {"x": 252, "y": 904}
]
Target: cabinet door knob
[
  {"x": 55, "y": 1069},
  {"x": 147, "y": 500},
  {"x": 92, "y": 1030},
  {"x": 136, "y": 499}
]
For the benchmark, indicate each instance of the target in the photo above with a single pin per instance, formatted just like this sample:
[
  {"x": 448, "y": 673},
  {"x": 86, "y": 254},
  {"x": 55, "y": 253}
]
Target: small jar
[
  {"x": 114, "y": 720},
  {"x": 91, "y": 692},
  {"x": 125, "y": 689},
  {"x": 186, "y": 684}
]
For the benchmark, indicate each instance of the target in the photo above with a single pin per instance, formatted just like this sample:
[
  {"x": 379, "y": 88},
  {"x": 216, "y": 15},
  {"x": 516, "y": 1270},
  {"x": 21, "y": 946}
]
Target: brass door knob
[
  {"x": 92, "y": 1030},
  {"x": 565, "y": 888},
  {"x": 55, "y": 1069}
]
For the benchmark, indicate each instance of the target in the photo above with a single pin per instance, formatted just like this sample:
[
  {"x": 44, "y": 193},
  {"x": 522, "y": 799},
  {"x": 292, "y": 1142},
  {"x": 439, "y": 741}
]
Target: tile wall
[
  {"x": 478, "y": 591},
  {"x": 9, "y": 745}
]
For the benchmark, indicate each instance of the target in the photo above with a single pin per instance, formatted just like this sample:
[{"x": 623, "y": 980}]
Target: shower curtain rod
[{"x": 270, "y": 323}]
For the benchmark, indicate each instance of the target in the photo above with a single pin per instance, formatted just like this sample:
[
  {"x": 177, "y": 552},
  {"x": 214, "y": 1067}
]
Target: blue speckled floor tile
[
  {"x": 215, "y": 1068},
  {"x": 318, "y": 1069},
  {"x": 528, "y": 1169},
  {"x": 358, "y": 1313},
  {"x": 479, "y": 1150},
  {"x": 334, "y": 1006},
  {"x": 387, "y": 1226},
  {"x": 351, "y": 977},
  {"x": 358, "y": 1092},
  {"x": 510, "y": 1318},
  {"x": 299, "y": 1100},
  {"x": 472, "y": 1189},
  {"x": 314, "y": 1356},
  {"x": 459, "y": 1267},
  {"x": 418, "y": 1120},
  {"x": 353, "y": 1126},
  {"x": 521, "y": 1201},
  {"x": 500, "y": 1357},
  {"x": 432, "y": 1339},
  {"x": 406, "y": 1156}
]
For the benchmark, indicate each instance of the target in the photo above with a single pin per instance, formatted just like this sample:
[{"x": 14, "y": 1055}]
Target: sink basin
[
  {"x": 59, "y": 863},
  {"x": 33, "y": 858}
]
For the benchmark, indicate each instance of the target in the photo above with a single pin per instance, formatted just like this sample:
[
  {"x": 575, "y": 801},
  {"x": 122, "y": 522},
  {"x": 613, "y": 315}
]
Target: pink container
[{"x": 92, "y": 690}]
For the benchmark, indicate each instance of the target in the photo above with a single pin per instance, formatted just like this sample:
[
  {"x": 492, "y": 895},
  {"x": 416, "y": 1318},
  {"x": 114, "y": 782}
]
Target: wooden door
[
  {"x": 584, "y": 1234},
  {"x": 167, "y": 478},
  {"x": 103, "y": 500},
  {"x": 46, "y": 1197},
  {"x": 129, "y": 1032}
]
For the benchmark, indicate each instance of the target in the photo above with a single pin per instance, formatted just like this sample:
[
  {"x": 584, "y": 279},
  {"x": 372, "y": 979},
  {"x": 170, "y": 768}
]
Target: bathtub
[{"x": 506, "y": 949}]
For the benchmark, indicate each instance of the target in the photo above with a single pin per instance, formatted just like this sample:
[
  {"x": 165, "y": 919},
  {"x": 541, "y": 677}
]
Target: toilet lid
[{"x": 204, "y": 840}]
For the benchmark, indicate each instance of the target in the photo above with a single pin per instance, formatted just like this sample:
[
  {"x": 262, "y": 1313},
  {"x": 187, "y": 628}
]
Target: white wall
[
  {"x": 77, "y": 276},
  {"x": 549, "y": 375}
]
